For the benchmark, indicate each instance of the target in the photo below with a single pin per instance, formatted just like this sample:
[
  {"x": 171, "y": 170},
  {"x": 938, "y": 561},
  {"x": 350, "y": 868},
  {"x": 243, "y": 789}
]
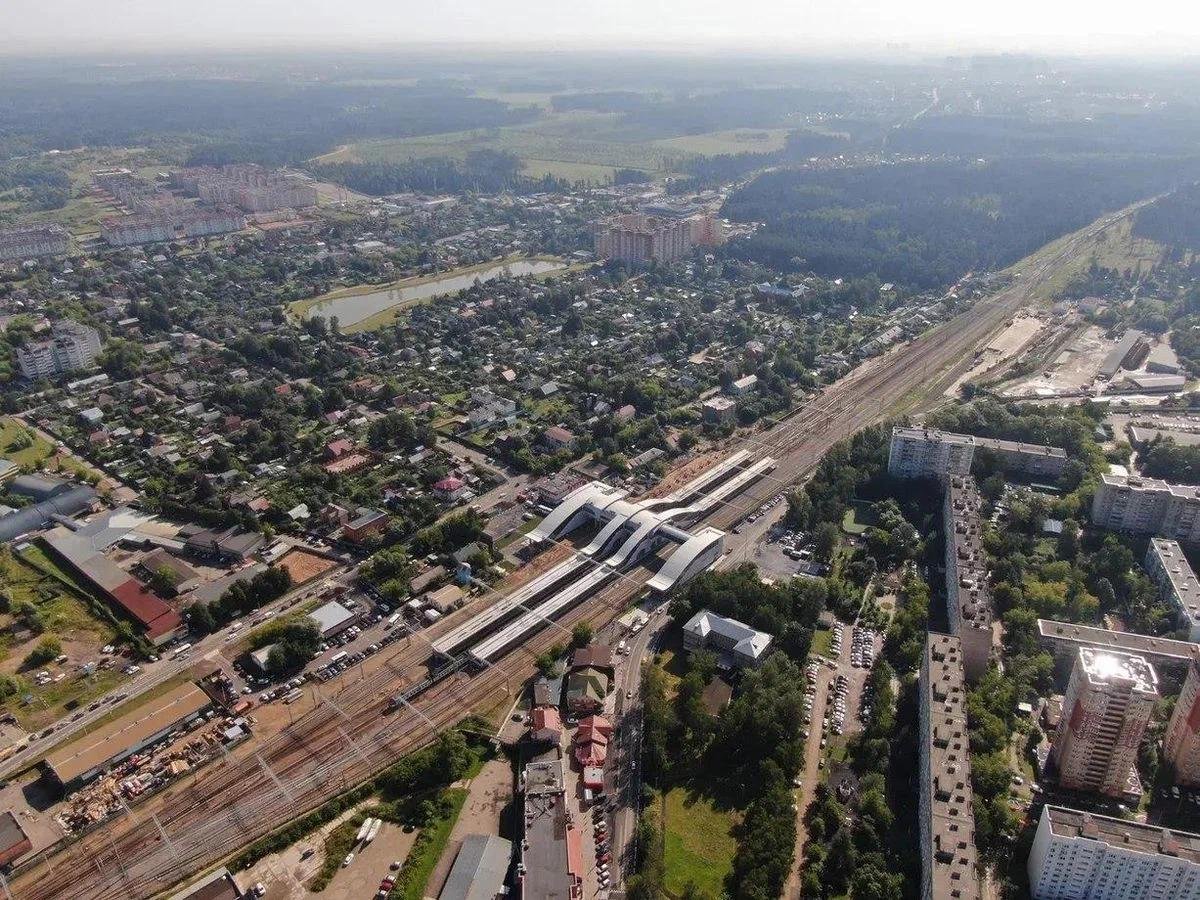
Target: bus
[
  {"x": 338, "y": 658},
  {"x": 392, "y": 620},
  {"x": 180, "y": 650}
]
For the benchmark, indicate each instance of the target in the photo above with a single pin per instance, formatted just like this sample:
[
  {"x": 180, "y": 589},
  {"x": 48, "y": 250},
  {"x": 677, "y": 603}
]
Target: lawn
[
  {"x": 428, "y": 850},
  {"x": 699, "y": 845},
  {"x": 22, "y": 445},
  {"x": 822, "y": 642},
  {"x": 859, "y": 517}
]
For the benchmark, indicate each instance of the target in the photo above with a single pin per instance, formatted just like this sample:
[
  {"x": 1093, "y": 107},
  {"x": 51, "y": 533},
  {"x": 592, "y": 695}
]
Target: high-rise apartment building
[
  {"x": 1084, "y": 856},
  {"x": 1108, "y": 703},
  {"x": 1170, "y": 571},
  {"x": 33, "y": 241},
  {"x": 74, "y": 346},
  {"x": 946, "y": 819},
  {"x": 1147, "y": 506},
  {"x": 927, "y": 452},
  {"x": 968, "y": 595},
  {"x": 1181, "y": 741},
  {"x": 638, "y": 238}
]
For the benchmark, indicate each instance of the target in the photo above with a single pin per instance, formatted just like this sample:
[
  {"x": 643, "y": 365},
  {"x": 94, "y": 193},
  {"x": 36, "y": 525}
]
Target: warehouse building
[
  {"x": 78, "y": 762},
  {"x": 479, "y": 869},
  {"x": 14, "y": 842},
  {"x": 332, "y": 619}
]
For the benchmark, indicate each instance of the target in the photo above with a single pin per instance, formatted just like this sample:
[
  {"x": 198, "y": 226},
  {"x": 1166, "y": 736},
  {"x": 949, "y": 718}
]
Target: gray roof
[
  {"x": 37, "y": 488},
  {"x": 31, "y": 518},
  {"x": 330, "y": 616},
  {"x": 479, "y": 869}
]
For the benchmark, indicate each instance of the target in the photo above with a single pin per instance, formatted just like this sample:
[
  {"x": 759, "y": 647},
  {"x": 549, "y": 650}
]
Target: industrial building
[
  {"x": 82, "y": 553},
  {"x": 14, "y": 842},
  {"x": 1181, "y": 740},
  {"x": 72, "y": 347},
  {"x": 82, "y": 759},
  {"x": 479, "y": 869},
  {"x": 638, "y": 238},
  {"x": 738, "y": 645},
  {"x": 217, "y": 885},
  {"x": 926, "y": 452},
  {"x": 1084, "y": 856},
  {"x": 69, "y": 502},
  {"x": 33, "y": 241},
  {"x": 968, "y": 595},
  {"x": 946, "y": 820},
  {"x": 1108, "y": 704},
  {"x": 1139, "y": 505},
  {"x": 1176, "y": 582},
  {"x": 332, "y": 619},
  {"x": 550, "y": 862},
  {"x": 1128, "y": 353}
]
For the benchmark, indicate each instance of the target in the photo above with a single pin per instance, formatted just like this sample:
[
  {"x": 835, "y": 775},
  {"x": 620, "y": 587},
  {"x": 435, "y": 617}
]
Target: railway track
[{"x": 350, "y": 737}]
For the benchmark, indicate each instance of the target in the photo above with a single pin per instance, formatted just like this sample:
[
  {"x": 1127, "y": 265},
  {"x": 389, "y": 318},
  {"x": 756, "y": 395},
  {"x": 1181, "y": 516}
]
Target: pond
[{"x": 355, "y": 308}]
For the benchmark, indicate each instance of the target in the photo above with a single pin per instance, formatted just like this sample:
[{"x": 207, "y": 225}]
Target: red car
[{"x": 601, "y": 860}]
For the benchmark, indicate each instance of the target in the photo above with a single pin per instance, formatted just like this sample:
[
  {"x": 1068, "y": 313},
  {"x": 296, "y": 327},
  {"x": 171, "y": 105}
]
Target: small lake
[{"x": 355, "y": 308}]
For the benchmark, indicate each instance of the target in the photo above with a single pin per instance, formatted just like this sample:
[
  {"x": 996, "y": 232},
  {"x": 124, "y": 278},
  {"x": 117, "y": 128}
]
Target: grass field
[
  {"x": 715, "y": 143},
  {"x": 66, "y": 618},
  {"x": 698, "y": 844},
  {"x": 822, "y": 642},
  {"x": 1115, "y": 248},
  {"x": 428, "y": 849},
  {"x": 22, "y": 445},
  {"x": 858, "y": 519}
]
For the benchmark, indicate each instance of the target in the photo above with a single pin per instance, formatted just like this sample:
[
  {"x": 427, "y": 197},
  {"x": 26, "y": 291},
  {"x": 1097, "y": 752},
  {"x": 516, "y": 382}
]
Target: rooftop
[
  {"x": 330, "y": 616},
  {"x": 1129, "y": 835},
  {"x": 947, "y": 758},
  {"x": 1113, "y": 667},
  {"x": 130, "y": 730},
  {"x": 1160, "y": 649},
  {"x": 479, "y": 869},
  {"x": 1184, "y": 584},
  {"x": 746, "y": 641}
]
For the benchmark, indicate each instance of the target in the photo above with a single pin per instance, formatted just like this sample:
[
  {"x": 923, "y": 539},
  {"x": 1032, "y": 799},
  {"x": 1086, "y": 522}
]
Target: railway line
[{"x": 351, "y": 736}]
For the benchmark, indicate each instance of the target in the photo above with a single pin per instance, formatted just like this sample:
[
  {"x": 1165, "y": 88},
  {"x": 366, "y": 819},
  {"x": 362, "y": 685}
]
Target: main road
[{"x": 269, "y": 782}]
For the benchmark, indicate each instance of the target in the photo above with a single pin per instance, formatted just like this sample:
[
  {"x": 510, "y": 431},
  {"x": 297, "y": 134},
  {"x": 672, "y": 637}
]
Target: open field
[
  {"x": 63, "y": 617},
  {"x": 1113, "y": 248},
  {"x": 22, "y": 445},
  {"x": 698, "y": 844},
  {"x": 740, "y": 140}
]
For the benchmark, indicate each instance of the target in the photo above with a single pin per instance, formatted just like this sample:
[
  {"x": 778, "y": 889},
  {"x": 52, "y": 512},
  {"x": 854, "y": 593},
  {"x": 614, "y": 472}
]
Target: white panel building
[{"x": 1083, "y": 856}]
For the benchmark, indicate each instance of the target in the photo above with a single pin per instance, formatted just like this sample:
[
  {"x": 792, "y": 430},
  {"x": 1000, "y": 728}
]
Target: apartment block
[
  {"x": 1108, "y": 704},
  {"x": 1084, "y": 856},
  {"x": 33, "y": 242},
  {"x": 968, "y": 595},
  {"x": 250, "y": 187},
  {"x": 638, "y": 238},
  {"x": 1181, "y": 740},
  {"x": 946, "y": 820},
  {"x": 176, "y": 222},
  {"x": 927, "y": 452},
  {"x": 1176, "y": 582},
  {"x": 74, "y": 346},
  {"x": 1140, "y": 505}
]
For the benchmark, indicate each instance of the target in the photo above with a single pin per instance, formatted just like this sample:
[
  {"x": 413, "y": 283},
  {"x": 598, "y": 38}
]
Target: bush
[{"x": 48, "y": 649}]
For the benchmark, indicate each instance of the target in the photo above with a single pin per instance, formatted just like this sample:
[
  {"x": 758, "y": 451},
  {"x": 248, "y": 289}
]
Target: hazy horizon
[{"x": 853, "y": 27}]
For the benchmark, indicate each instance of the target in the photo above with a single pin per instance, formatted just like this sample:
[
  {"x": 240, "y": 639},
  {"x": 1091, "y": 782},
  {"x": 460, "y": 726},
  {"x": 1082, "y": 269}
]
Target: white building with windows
[
  {"x": 1171, "y": 573},
  {"x": 1140, "y": 505},
  {"x": 1083, "y": 856},
  {"x": 74, "y": 346}
]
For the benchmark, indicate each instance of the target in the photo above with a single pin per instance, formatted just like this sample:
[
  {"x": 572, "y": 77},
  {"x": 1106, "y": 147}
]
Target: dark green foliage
[
  {"x": 1172, "y": 462},
  {"x": 1172, "y": 220},
  {"x": 925, "y": 224},
  {"x": 240, "y": 598},
  {"x": 294, "y": 641}
]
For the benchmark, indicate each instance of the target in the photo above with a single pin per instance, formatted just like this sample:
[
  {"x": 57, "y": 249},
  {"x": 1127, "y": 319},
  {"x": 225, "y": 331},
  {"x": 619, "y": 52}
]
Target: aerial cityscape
[{"x": 642, "y": 452}]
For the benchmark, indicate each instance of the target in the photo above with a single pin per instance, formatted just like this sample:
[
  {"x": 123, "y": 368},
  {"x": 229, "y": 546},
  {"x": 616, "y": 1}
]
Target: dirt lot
[
  {"x": 490, "y": 793},
  {"x": 1003, "y": 346},
  {"x": 1073, "y": 368},
  {"x": 361, "y": 878},
  {"x": 304, "y": 566}
]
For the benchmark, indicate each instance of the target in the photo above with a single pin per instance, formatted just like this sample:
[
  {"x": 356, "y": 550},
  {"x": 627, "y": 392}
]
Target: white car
[{"x": 349, "y": 859}]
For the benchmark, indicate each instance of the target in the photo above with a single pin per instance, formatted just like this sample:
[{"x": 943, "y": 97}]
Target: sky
[{"x": 777, "y": 26}]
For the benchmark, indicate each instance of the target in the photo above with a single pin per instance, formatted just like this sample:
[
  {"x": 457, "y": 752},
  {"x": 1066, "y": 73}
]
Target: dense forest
[
  {"x": 235, "y": 120},
  {"x": 925, "y": 224},
  {"x": 1173, "y": 220},
  {"x": 483, "y": 171}
]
